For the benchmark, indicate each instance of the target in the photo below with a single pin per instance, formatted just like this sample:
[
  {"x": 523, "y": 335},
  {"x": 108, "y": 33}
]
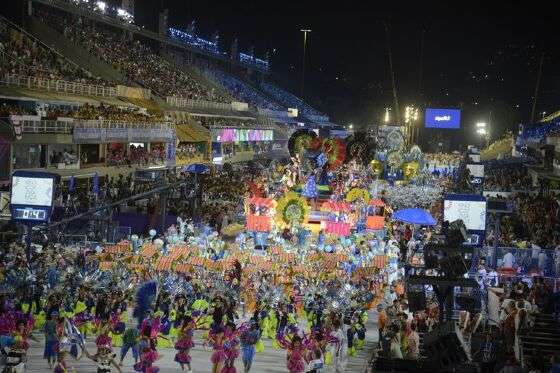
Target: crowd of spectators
[
  {"x": 136, "y": 155},
  {"x": 9, "y": 109},
  {"x": 289, "y": 99},
  {"x": 114, "y": 113},
  {"x": 242, "y": 91},
  {"x": 507, "y": 178},
  {"x": 442, "y": 159},
  {"x": 512, "y": 317},
  {"x": 84, "y": 112},
  {"x": 189, "y": 151},
  {"x": 135, "y": 59},
  {"x": 26, "y": 56}
]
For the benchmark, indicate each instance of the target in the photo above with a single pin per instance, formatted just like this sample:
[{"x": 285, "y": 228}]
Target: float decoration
[
  {"x": 335, "y": 149},
  {"x": 292, "y": 210},
  {"x": 358, "y": 193},
  {"x": 376, "y": 167},
  {"x": 300, "y": 141}
]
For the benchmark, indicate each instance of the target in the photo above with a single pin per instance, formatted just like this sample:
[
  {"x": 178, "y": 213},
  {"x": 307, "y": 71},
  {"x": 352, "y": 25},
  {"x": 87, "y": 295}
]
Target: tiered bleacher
[
  {"x": 242, "y": 91},
  {"x": 138, "y": 61},
  {"x": 24, "y": 55},
  {"x": 290, "y": 100}
]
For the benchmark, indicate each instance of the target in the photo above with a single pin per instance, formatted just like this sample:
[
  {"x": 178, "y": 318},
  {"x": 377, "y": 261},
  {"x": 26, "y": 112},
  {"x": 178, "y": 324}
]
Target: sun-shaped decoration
[
  {"x": 357, "y": 193},
  {"x": 300, "y": 141},
  {"x": 292, "y": 209},
  {"x": 335, "y": 149}
]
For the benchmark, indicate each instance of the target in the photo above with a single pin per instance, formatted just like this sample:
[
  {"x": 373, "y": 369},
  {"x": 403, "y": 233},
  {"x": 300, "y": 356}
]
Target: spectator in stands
[
  {"x": 135, "y": 59},
  {"x": 241, "y": 90},
  {"x": 25, "y": 56}
]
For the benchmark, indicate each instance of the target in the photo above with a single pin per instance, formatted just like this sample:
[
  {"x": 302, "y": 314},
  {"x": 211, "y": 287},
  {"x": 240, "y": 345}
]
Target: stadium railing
[
  {"x": 181, "y": 102},
  {"x": 525, "y": 262},
  {"x": 61, "y": 86},
  {"x": 66, "y": 127}
]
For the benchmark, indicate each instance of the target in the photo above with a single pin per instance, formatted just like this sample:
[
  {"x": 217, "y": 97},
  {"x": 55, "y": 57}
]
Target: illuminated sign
[{"x": 443, "y": 118}]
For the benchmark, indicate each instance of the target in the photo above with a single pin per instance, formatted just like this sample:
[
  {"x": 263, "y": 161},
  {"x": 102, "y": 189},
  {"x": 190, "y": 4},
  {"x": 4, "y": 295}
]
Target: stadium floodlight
[
  {"x": 387, "y": 117},
  {"x": 481, "y": 131},
  {"x": 480, "y": 125},
  {"x": 101, "y": 5}
]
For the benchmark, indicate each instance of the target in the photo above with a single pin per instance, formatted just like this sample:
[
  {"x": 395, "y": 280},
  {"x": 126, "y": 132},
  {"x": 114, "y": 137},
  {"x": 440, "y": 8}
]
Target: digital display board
[
  {"x": 472, "y": 211},
  {"x": 31, "y": 191},
  {"x": 476, "y": 170},
  {"x": 443, "y": 118}
]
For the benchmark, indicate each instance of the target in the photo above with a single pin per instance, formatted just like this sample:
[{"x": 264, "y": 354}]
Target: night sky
[
  {"x": 481, "y": 58},
  {"x": 477, "y": 58}
]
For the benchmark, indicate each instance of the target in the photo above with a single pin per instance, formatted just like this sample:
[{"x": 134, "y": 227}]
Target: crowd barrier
[
  {"x": 61, "y": 86},
  {"x": 526, "y": 261},
  {"x": 205, "y": 105}
]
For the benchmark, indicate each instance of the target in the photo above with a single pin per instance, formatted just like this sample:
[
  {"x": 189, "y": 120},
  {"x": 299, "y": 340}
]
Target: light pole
[
  {"x": 483, "y": 131},
  {"x": 305, "y": 31},
  {"x": 410, "y": 118}
]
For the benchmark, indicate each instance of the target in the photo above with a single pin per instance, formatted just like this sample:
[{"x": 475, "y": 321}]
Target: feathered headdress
[{"x": 145, "y": 298}]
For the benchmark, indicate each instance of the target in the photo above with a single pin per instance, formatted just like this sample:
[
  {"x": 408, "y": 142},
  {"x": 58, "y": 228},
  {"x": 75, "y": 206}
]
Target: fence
[
  {"x": 198, "y": 104},
  {"x": 46, "y": 126},
  {"x": 66, "y": 127},
  {"x": 525, "y": 261},
  {"x": 61, "y": 86}
]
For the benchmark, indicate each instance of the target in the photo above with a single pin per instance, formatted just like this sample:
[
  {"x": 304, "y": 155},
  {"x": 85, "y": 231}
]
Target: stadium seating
[
  {"x": 290, "y": 100},
  {"x": 21, "y": 54},
  {"x": 135, "y": 59},
  {"x": 242, "y": 91}
]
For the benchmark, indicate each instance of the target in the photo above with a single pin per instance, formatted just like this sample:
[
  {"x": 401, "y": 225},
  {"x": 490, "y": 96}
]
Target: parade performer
[
  {"x": 249, "y": 338},
  {"x": 104, "y": 330},
  {"x": 21, "y": 334},
  {"x": 185, "y": 343},
  {"x": 295, "y": 353},
  {"x": 339, "y": 347},
  {"x": 130, "y": 341},
  {"x": 231, "y": 348},
  {"x": 61, "y": 366},
  {"x": 51, "y": 338},
  {"x": 147, "y": 359},
  {"x": 104, "y": 358},
  {"x": 216, "y": 339}
]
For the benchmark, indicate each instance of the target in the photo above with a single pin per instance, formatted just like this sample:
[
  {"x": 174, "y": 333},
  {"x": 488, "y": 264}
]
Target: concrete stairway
[
  {"x": 73, "y": 52},
  {"x": 543, "y": 340}
]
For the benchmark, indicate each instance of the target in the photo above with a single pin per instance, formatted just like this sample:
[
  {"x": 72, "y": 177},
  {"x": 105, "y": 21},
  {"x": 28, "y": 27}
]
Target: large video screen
[
  {"x": 443, "y": 118},
  {"x": 472, "y": 213},
  {"x": 32, "y": 191},
  {"x": 476, "y": 170}
]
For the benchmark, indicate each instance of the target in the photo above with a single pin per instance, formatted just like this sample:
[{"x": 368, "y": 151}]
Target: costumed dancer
[
  {"x": 61, "y": 366},
  {"x": 104, "y": 330},
  {"x": 147, "y": 359},
  {"x": 104, "y": 358},
  {"x": 249, "y": 338},
  {"x": 51, "y": 338},
  {"x": 130, "y": 341},
  {"x": 295, "y": 353},
  {"x": 216, "y": 339},
  {"x": 185, "y": 343},
  {"x": 339, "y": 347},
  {"x": 231, "y": 348}
]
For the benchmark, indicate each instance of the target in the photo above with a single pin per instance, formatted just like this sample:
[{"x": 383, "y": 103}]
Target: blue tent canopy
[
  {"x": 197, "y": 168},
  {"x": 414, "y": 216}
]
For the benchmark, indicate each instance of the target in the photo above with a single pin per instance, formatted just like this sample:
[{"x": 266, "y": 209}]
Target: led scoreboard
[{"x": 32, "y": 196}]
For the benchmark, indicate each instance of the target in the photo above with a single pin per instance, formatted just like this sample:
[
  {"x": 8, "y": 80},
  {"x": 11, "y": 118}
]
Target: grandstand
[{"x": 83, "y": 89}]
